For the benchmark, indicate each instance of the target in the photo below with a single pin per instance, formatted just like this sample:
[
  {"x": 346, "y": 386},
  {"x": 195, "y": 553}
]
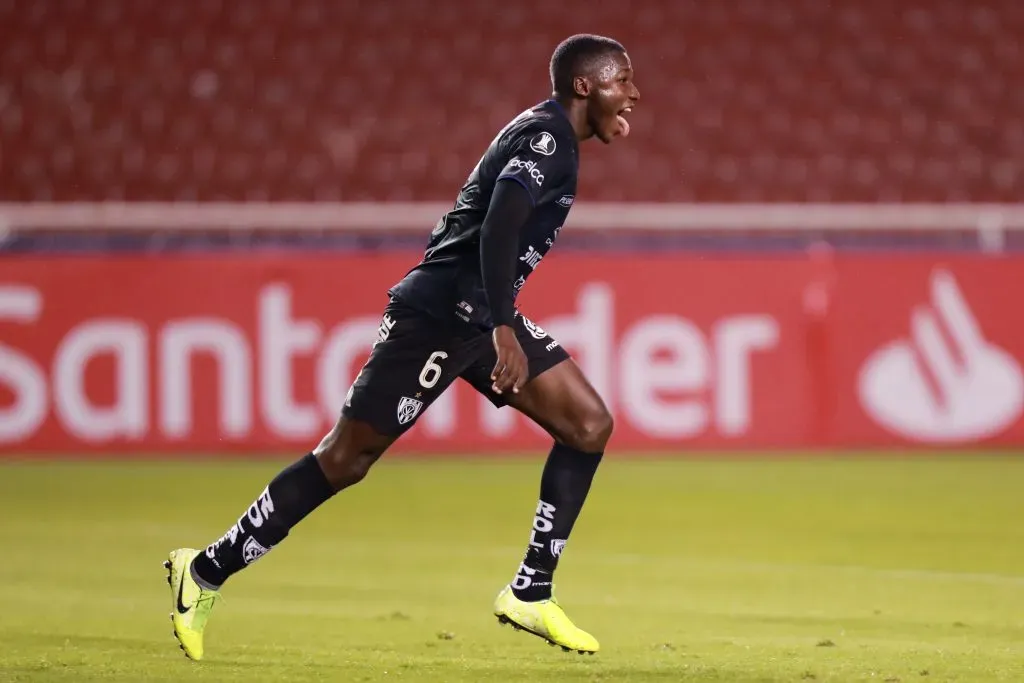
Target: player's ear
[{"x": 581, "y": 86}]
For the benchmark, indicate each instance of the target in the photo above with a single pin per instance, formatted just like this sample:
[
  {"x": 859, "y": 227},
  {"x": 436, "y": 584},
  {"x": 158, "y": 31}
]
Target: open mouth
[{"x": 623, "y": 123}]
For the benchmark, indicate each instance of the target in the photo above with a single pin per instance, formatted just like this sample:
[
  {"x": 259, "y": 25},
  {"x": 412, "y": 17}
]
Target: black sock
[
  {"x": 563, "y": 488},
  {"x": 298, "y": 490}
]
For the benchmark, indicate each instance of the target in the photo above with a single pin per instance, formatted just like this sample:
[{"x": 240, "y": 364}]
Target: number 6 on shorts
[{"x": 431, "y": 372}]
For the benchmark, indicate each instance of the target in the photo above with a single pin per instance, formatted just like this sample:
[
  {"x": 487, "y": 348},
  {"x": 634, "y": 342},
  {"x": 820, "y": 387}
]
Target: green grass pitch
[{"x": 712, "y": 569}]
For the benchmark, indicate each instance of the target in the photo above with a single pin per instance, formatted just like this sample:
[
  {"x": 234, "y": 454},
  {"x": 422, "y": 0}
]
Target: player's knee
[
  {"x": 591, "y": 430},
  {"x": 344, "y": 467},
  {"x": 346, "y": 455}
]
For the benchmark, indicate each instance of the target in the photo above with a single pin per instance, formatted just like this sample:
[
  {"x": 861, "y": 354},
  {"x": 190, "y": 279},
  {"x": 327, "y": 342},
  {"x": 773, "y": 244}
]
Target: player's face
[{"x": 612, "y": 97}]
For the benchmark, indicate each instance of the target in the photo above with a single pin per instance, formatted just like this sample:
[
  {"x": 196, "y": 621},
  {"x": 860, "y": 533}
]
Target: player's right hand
[{"x": 512, "y": 369}]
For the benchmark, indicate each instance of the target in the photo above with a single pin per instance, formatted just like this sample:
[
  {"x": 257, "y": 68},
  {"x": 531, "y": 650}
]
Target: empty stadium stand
[{"x": 795, "y": 100}]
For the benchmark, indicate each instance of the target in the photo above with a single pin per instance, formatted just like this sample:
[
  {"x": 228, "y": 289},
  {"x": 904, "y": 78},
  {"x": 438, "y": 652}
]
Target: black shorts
[{"x": 416, "y": 357}]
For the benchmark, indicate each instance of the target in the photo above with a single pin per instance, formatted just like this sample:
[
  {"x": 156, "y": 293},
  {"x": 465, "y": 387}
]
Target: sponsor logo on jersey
[
  {"x": 387, "y": 323},
  {"x": 532, "y": 257},
  {"x": 566, "y": 200},
  {"x": 530, "y": 167}
]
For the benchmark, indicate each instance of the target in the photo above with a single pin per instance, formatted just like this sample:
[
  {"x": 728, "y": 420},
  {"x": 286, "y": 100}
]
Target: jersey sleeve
[{"x": 539, "y": 160}]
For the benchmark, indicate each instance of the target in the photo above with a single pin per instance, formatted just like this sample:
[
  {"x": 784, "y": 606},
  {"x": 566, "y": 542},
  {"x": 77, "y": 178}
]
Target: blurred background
[
  {"x": 809, "y": 253},
  {"x": 291, "y": 100},
  {"x": 811, "y": 238}
]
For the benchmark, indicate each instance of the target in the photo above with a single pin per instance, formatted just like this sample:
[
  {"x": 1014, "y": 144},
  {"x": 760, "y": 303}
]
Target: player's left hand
[{"x": 512, "y": 369}]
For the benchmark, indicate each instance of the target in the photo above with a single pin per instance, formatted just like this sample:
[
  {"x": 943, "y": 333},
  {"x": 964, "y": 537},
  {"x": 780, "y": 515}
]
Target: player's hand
[{"x": 512, "y": 370}]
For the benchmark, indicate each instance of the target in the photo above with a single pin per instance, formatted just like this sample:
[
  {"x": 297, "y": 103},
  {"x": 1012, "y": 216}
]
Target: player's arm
[{"x": 510, "y": 207}]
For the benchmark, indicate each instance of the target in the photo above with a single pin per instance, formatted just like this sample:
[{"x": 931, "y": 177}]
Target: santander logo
[{"x": 946, "y": 382}]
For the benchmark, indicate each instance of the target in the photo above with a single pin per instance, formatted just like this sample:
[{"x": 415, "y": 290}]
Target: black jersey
[{"x": 538, "y": 150}]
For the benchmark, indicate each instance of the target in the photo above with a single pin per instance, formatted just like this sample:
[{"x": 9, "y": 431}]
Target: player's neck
[{"x": 576, "y": 111}]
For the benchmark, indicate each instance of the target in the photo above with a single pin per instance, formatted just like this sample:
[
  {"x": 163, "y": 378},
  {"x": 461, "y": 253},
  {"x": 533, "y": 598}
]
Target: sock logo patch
[
  {"x": 543, "y": 522},
  {"x": 261, "y": 509},
  {"x": 557, "y": 546},
  {"x": 252, "y": 550},
  {"x": 525, "y": 577}
]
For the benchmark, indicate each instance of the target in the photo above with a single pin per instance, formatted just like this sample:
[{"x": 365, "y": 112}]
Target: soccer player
[{"x": 454, "y": 316}]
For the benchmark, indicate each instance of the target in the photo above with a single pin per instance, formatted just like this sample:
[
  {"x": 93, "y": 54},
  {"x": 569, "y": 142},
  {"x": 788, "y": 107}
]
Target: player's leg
[
  {"x": 563, "y": 402},
  {"x": 195, "y": 577},
  {"x": 411, "y": 364},
  {"x": 560, "y": 399},
  {"x": 342, "y": 458}
]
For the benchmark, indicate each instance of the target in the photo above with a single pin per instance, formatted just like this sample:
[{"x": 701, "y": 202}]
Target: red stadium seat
[{"x": 799, "y": 100}]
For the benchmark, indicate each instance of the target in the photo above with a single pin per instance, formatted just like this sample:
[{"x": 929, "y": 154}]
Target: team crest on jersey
[
  {"x": 408, "y": 409},
  {"x": 566, "y": 200},
  {"x": 533, "y": 328},
  {"x": 543, "y": 143}
]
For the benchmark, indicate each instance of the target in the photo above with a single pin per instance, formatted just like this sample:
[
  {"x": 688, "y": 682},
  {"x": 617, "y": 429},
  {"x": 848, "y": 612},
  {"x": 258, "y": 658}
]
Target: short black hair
[{"x": 573, "y": 55}]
